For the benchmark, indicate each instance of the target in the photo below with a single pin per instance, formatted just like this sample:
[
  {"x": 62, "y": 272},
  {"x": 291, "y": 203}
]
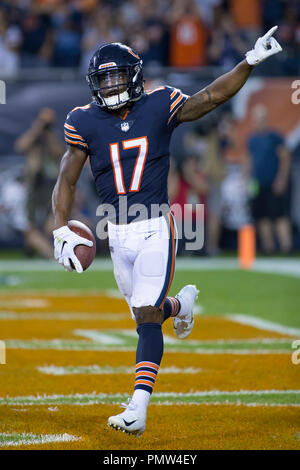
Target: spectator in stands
[
  {"x": 272, "y": 13},
  {"x": 66, "y": 22},
  {"x": 209, "y": 11},
  {"x": 10, "y": 42},
  {"x": 188, "y": 35},
  {"x": 101, "y": 27},
  {"x": 37, "y": 39},
  {"x": 228, "y": 44},
  {"x": 150, "y": 40},
  {"x": 269, "y": 165},
  {"x": 204, "y": 142},
  {"x": 295, "y": 196},
  {"x": 247, "y": 16},
  {"x": 187, "y": 190},
  {"x": 42, "y": 150},
  {"x": 289, "y": 37}
]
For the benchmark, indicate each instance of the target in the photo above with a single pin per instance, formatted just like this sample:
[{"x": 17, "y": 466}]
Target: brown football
[{"x": 85, "y": 254}]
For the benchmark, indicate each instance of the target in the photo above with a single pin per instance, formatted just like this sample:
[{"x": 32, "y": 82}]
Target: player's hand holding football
[
  {"x": 264, "y": 48},
  {"x": 65, "y": 240}
]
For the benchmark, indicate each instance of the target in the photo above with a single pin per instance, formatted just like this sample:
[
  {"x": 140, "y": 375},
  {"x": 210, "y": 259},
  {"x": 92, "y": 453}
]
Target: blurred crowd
[
  {"x": 180, "y": 33},
  {"x": 258, "y": 184},
  {"x": 235, "y": 190}
]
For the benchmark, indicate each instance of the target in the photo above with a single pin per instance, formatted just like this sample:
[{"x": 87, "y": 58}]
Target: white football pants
[{"x": 143, "y": 255}]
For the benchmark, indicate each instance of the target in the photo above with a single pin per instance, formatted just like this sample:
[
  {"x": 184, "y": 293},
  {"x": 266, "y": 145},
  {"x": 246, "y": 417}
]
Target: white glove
[
  {"x": 65, "y": 241},
  {"x": 264, "y": 48}
]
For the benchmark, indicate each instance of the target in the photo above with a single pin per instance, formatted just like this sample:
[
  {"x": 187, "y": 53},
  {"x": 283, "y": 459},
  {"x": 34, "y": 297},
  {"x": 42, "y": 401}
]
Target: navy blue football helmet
[{"x": 115, "y": 76}]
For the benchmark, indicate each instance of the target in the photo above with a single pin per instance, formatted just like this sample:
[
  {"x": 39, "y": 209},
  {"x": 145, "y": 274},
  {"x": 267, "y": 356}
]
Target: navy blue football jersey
[{"x": 129, "y": 157}]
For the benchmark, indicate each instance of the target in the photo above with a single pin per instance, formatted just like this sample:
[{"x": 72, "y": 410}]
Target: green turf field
[
  {"x": 70, "y": 354},
  {"x": 273, "y": 297}
]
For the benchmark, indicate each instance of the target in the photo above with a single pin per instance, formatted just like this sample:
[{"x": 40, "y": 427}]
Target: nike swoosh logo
[
  {"x": 62, "y": 248},
  {"x": 146, "y": 238},
  {"x": 129, "y": 424}
]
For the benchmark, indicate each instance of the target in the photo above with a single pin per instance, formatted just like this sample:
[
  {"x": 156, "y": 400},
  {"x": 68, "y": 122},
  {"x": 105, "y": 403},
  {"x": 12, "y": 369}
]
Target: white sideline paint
[
  {"x": 262, "y": 324},
  {"x": 108, "y": 370},
  {"x": 25, "y": 439},
  {"x": 282, "y": 266}
]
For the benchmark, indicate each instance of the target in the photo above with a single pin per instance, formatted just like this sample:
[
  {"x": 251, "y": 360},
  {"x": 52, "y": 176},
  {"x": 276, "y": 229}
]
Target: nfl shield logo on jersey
[{"x": 125, "y": 126}]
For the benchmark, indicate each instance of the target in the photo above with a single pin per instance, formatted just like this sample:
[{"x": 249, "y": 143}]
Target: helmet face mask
[
  {"x": 111, "y": 87},
  {"x": 115, "y": 76}
]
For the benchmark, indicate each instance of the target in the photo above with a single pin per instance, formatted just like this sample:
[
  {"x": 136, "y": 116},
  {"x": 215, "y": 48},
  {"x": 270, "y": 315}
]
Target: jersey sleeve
[
  {"x": 72, "y": 134},
  {"x": 176, "y": 100}
]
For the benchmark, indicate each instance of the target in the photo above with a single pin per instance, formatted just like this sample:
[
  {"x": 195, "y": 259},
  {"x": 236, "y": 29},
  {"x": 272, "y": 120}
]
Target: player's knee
[{"x": 147, "y": 314}]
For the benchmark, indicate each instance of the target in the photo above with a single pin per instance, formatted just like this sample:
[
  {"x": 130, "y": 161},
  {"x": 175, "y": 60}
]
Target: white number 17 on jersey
[{"x": 142, "y": 144}]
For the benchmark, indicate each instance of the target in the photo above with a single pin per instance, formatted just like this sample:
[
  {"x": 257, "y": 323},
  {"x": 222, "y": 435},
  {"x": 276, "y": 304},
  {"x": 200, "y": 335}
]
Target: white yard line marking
[
  {"x": 114, "y": 293},
  {"x": 16, "y": 439},
  {"x": 98, "y": 370},
  {"x": 24, "y": 303},
  {"x": 101, "y": 338},
  {"x": 250, "y": 397},
  {"x": 262, "y": 324},
  {"x": 198, "y": 309}
]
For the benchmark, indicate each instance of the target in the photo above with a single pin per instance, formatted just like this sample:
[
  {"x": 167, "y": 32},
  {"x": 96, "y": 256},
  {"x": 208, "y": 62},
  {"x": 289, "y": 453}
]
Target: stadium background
[{"x": 239, "y": 353}]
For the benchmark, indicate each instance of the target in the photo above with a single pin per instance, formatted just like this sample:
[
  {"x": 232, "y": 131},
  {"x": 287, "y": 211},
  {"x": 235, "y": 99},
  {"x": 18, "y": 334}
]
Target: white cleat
[
  {"x": 184, "y": 321},
  {"x": 131, "y": 421}
]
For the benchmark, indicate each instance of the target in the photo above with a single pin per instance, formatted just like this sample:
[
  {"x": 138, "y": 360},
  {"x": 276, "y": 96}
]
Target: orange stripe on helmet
[{"x": 132, "y": 53}]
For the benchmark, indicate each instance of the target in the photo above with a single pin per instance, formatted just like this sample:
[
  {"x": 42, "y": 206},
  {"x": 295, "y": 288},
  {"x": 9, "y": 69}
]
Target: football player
[{"x": 126, "y": 132}]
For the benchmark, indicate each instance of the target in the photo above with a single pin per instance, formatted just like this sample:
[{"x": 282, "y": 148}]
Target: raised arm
[
  {"x": 219, "y": 91},
  {"x": 62, "y": 200},
  {"x": 224, "y": 87}
]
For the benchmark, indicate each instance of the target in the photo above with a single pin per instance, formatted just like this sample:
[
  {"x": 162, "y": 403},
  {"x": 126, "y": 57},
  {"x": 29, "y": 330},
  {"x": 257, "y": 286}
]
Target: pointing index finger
[{"x": 270, "y": 33}]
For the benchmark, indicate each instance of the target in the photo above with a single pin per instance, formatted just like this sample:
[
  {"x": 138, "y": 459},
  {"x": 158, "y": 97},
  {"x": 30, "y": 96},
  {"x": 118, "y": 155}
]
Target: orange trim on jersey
[
  {"x": 70, "y": 127},
  {"x": 176, "y": 102},
  {"x": 120, "y": 166},
  {"x": 173, "y": 259},
  {"x": 144, "y": 382},
  {"x": 147, "y": 364},
  {"x": 148, "y": 92},
  {"x": 126, "y": 114},
  {"x": 87, "y": 106},
  {"x": 146, "y": 374},
  {"x": 175, "y": 112},
  {"x": 74, "y": 135},
  {"x": 173, "y": 94},
  {"x": 76, "y": 142}
]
